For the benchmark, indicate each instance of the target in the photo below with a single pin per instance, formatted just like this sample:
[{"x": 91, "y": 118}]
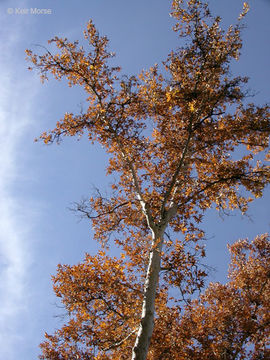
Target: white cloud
[{"x": 15, "y": 228}]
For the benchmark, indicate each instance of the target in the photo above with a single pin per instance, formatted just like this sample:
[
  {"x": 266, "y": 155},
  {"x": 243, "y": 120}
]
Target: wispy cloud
[{"x": 15, "y": 118}]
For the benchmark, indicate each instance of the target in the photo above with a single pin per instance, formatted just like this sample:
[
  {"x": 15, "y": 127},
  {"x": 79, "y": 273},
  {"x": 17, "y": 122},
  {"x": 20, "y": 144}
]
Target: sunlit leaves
[
  {"x": 103, "y": 299},
  {"x": 228, "y": 321}
]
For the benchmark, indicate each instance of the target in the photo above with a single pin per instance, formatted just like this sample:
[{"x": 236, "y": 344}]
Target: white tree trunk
[{"x": 145, "y": 331}]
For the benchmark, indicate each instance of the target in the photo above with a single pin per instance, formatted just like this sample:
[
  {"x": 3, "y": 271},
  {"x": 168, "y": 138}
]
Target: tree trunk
[{"x": 145, "y": 331}]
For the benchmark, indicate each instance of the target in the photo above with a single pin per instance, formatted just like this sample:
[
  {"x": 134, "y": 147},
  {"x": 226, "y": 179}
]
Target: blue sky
[{"x": 39, "y": 183}]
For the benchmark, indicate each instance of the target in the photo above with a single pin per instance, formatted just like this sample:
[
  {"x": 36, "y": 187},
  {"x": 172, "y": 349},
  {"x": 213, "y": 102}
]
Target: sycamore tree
[{"x": 181, "y": 138}]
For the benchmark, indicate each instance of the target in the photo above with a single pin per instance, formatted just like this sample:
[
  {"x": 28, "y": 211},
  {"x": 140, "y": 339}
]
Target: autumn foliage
[
  {"x": 172, "y": 133},
  {"x": 228, "y": 321}
]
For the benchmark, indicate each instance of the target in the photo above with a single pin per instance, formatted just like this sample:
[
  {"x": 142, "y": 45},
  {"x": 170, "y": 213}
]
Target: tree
[{"x": 172, "y": 136}]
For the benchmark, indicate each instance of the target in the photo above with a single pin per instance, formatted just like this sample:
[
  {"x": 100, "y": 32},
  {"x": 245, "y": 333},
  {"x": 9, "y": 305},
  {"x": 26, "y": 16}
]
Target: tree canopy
[{"x": 181, "y": 138}]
